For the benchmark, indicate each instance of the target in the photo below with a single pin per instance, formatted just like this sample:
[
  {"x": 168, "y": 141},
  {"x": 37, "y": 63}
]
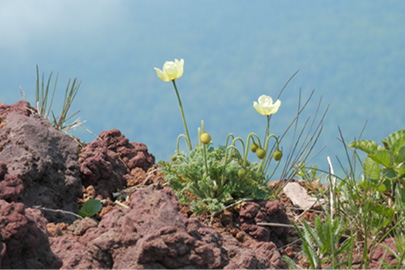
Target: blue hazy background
[{"x": 351, "y": 52}]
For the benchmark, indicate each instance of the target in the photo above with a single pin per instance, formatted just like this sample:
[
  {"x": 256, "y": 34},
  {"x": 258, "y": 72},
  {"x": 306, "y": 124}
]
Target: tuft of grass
[{"x": 44, "y": 95}]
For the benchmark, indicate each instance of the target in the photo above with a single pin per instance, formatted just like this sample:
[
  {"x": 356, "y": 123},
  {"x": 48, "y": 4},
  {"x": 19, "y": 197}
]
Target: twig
[
  {"x": 277, "y": 225},
  {"x": 57, "y": 211},
  {"x": 121, "y": 204}
]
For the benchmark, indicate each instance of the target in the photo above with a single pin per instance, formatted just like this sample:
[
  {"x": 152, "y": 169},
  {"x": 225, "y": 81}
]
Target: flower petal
[
  {"x": 163, "y": 76},
  {"x": 258, "y": 108}
]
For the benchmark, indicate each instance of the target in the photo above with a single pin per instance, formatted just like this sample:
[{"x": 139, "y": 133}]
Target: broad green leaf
[
  {"x": 383, "y": 210},
  {"x": 90, "y": 208},
  {"x": 400, "y": 157},
  {"x": 367, "y": 146},
  {"x": 395, "y": 140},
  {"x": 381, "y": 188},
  {"x": 389, "y": 173},
  {"x": 400, "y": 170},
  {"x": 382, "y": 156},
  {"x": 371, "y": 168}
]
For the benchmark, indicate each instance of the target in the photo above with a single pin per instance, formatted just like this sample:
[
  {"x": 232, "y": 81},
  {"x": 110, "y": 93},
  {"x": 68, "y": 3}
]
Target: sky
[{"x": 351, "y": 52}]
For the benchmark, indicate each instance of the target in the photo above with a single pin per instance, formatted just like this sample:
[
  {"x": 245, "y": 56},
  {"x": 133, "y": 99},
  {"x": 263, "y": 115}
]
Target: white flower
[
  {"x": 171, "y": 70},
  {"x": 265, "y": 106}
]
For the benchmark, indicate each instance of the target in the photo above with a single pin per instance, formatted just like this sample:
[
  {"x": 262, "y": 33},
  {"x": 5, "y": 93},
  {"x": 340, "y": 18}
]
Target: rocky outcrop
[
  {"x": 23, "y": 239},
  {"x": 106, "y": 163},
  {"x": 153, "y": 233},
  {"x": 253, "y": 213},
  {"x": 40, "y": 165},
  {"x": 45, "y": 160}
]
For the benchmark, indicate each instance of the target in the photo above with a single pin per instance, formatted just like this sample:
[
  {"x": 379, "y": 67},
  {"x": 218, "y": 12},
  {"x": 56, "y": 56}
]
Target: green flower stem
[
  {"x": 245, "y": 154},
  {"x": 178, "y": 142},
  {"x": 230, "y": 135},
  {"x": 266, "y": 148},
  {"x": 268, "y": 127},
  {"x": 182, "y": 115},
  {"x": 205, "y": 160}
]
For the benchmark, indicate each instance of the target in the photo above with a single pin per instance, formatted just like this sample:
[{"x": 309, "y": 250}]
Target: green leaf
[
  {"x": 389, "y": 173},
  {"x": 400, "y": 157},
  {"x": 367, "y": 146},
  {"x": 371, "y": 168},
  {"x": 381, "y": 188},
  {"x": 90, "y": 208},
  {"x": 383, "y": 210},
  {"x": 395, "y": 140},
  {"x": 346, "y": 244},
  {"x": 400, "y": 170},
  {"x": 290, "y": 262},
  {"x": 382, "y": 156}
]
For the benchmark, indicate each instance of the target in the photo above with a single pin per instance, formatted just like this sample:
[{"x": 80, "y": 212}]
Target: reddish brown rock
[
  {"x": 23, "y": 239},
  {"x": 11, "y": 186},
  {"x": 21, "y": 107},
  {"x": 252, "y": 213},
  {"x": 152, "y": 233},
  {"x": 381, "y": 257},
  {"x": 46, "y": 161},
  {"x": 106, "y": 163}
]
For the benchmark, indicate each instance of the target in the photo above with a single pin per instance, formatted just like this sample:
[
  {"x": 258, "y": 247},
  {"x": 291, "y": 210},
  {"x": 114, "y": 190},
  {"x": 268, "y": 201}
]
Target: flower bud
[
  {"x": 242, "y": 172},
  {"x": 261, "y": 153},
  {"x": 254, "y": 146},
  {"x": 277, "y": 155},
  {"x": 215, "y": 187},
  {"x": 205, "y": 138}
]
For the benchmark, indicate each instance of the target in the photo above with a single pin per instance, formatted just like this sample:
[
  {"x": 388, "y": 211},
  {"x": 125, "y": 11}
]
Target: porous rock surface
[
  {"x": 23, "y": 239},
  {"x": 152, "y": 233},
  {"x": 264, "y": 211},
  {"x": 11, "y": 186},
  {"x": 106, "y": 163},
  {"x": 44, "y": 159}
]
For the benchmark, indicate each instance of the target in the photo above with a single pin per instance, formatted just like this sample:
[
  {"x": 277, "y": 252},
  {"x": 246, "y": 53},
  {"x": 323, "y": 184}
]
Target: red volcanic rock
[
  {"x": 21, "y": 107},
  {"x": 106, "y": 163},
  {"x": 152, "y": 233},
  {"x": 263, "y": 211},
  {"x": 23, "y": 239},
  {"x": 380, "y": 254},
  {"x": 46, "y": 161},
  {"x": 11, "y": 186}
]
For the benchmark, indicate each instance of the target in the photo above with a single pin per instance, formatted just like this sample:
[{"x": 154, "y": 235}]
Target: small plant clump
[{"x": 210, "y": 178}]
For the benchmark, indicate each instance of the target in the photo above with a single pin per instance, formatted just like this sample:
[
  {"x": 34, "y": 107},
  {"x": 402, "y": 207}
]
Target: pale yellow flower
[
  {"x": 171, "y": 70},
  {"x": 265, "y": 106}
]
